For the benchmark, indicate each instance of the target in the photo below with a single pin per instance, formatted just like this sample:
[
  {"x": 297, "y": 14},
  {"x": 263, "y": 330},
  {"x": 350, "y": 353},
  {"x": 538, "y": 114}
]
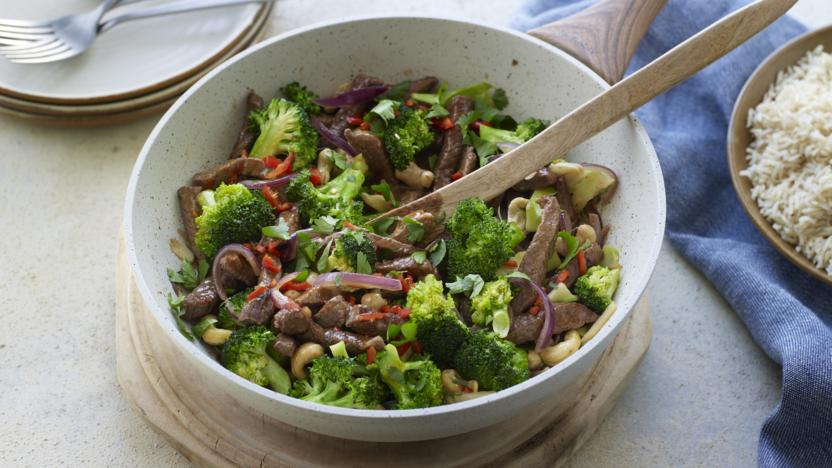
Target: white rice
[{"x": 790, "y": 158}]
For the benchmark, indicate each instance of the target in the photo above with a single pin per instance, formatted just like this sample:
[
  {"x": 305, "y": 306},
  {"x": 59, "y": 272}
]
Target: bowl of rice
[{"x": 780, "y": 151}]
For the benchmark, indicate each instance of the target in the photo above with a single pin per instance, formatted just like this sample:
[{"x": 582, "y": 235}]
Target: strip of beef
[
  {"x": 526, "y": 328},
  {"x": 360, "y": 81},
  {"x": 236, "y": 272},
  {"x": 333, "y": 313},
  {"x": 317, "y": 295},
  {"x": 405, "y": 194},
  {"x": 257, "y": 311},
  {"x": 537, "y": 255},
  {"x": 203, "y": 300},
  {"x": 423, "y": 85},
  {"x": 594, "y": 220},
  {"x": 448, "y": 158},
  {"x": 469, "y": 161},
  {"x": 354, "y": 343},
  {"x": 594, "y": 254},
  {"x": 230, "y": 172},
  {"x": 565, "y": 198},
  {"x": 291, "y": 321},
  {"x": 285, "y": 345},
  {"x": 292, "y": 218},
  {"x": 433, "y": 229},
  {"x": 361, "y": 319},
  {"x": 539, "y": 179},
  {"x": 371, "y": 147},
  {"x": 397, "y": 248},
  {"x": 246, "y": 136},
  {"x": 189, "y": 209},
  {"x": 408, "y": 264}
]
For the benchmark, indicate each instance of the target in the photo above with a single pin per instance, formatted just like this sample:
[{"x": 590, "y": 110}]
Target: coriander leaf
[
  {"x": 572, "y": 248},
  {"x": 203, "y": 270},
  {"x": 503, "y": 121},
  {"x": 415, "y": 229},
  {"x": 518, "y": 274},
  {"x": 409, "y": 330},
  {"x": 383, "y": 225},
  {"x": 175, "y": 303},
  {"x": 476, "y": 91},
  {"x": 325, "y": 225},
  {"x": 427, "y": 98},
  {"x": 500, "y": 99},
  {"x": 466, "y": 120},
  {"x": 470, "y": 284},
  {"x": 384, "y": 189},
  {"x": 187, "y": 276},
  {"x": 436, "y": 110},
  {"x": 483, "y": 148},
  {"x": 385, "y": 109},
  {"x": 301, "y": 277},
  {"x": 361, "y": 264},
  {"x": 393, "y": 331},
  {"x": 339, "y": 159},
  {"x": 437, "y": 252},
  {"x": 419, "y": 256},
  {"x": 323, "y": 260},
  {"x": 281, "y": 231}
]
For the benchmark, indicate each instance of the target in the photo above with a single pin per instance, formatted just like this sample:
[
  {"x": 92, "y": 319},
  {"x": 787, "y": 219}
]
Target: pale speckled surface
[{"x": 698, "y": 398}]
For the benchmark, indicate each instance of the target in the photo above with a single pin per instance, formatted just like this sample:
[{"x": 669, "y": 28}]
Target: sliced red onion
[
  {"x": 240, "y": 250},
  {"x": 333, "y": 138},
  {"x": 285, "y": 280},
  {"x": 506, "y": 146},
  {"x": 359, "y": 281},
  {"x": 545, "y": 337},
  {"x": 281, "y": 301},
  {"x": 290, "y": 247},
  {"x": 355, "y": 96},
  {"x": 259, "y": 184}
]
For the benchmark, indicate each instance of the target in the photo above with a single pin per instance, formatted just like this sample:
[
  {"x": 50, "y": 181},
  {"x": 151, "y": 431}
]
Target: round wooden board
[{"x": 213, "y": 430}]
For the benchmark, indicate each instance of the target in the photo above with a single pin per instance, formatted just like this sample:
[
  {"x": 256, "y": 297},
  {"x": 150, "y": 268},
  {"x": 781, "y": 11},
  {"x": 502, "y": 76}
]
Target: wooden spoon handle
[
  {"x": 604, "y": 36},
  {"x": 607, "y": 108}
]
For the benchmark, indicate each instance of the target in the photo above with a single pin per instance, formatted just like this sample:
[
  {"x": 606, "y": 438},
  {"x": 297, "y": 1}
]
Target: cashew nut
[
  {"x": 305, "y": 354},
  {"x": 602, "y": 320},
  {"x": 557, "y": 353},
  {"x": 571, "y": 172},
  {"x": 216, "y": 336},
  {"x": 307, "y": 311},
  {"x": 453, "y": 383},
  {"x": 376, "y": 202},
  {"x": 535, "y": 362},
  {"x": 414, "y": 176},
  {"x": 325, "y": 164},
  {"x": 373, "y": 300},
  {"x": 181, "y": 251},
  {"x": 585, "y": 232},
  {"x": 517, "y": 212}
]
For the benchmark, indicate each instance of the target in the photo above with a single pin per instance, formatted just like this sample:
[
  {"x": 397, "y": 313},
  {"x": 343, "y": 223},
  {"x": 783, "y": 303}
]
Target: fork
[{"x": 72, "y": 35}]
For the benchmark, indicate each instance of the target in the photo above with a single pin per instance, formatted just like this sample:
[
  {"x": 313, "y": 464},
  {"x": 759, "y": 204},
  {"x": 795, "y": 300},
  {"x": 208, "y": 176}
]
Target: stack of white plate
[{"x": 136, "y": 69}]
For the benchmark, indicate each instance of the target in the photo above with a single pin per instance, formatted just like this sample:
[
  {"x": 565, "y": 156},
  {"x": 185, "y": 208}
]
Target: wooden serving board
[{"x": 213, "y": 430}]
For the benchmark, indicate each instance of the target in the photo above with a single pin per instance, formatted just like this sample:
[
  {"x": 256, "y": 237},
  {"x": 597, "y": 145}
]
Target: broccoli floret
[
  {"x": 302, "y": 97},
  {"x": 416, "y": 383},
  {"x": 284, "y": 128},
  {"x": 336, "y": 198},
  {"x": 481, "y": 243},
  {"x": 245, "y": 355},
  {"x": 439, "y": 329},
  {"x": 491, "y": 306},
  {"x": 524, "y": 132},
  {"x": 405, "y": 136},
  {"x": 493, "y": 362},
  {"x": 596, "y": 287},
  {"x": 354, "y": 252},
  {"x": 332, "y": 381},
  {"x": 238, "y": 215}
]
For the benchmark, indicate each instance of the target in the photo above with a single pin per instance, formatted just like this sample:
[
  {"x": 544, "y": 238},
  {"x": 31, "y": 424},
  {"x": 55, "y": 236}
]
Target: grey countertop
[{"x": 699, "y": 397}]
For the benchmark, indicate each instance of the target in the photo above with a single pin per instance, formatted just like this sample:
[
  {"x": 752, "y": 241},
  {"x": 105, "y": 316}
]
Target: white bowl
[{"x": 540, "y": 80}]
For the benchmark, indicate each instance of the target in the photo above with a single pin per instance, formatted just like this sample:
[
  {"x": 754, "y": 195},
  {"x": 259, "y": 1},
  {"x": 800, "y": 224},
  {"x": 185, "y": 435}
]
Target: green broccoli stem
[{"x": 279, "y": 379}]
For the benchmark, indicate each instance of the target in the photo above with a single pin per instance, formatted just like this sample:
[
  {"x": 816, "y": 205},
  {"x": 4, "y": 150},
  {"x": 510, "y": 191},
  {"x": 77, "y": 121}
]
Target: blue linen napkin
[{"x": 788, "y": 312}]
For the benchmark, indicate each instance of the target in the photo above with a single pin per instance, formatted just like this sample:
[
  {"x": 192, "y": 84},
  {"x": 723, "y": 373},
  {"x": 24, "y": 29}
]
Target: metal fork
[{"x": 73, "y": 35}]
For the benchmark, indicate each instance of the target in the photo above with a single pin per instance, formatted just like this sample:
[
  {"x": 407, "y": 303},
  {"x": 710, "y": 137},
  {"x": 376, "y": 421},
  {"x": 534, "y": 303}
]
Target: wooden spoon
[{"x": 605, "y": 109}]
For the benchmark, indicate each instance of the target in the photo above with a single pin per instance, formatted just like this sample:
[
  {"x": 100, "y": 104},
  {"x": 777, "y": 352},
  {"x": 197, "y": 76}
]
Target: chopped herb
[
  {"x": 427, "y": 98},
  {"x": 397, "y": 92},
  {"x": 188, "y": 276},
  {"x": 419, "y": 256},
  {"x": 361, "y": 264},
  {"x": 437, "y": 252},
  {"x": 415, "y": 229},
  {"x": 384, "y": 189},
  {"x": 175, "y": 303},
  {"x": 325, "y": 225},
  {"x": 301, "y": 277},
  {"x": 407, "y": 330},
  {"x": 465, "y": 121},
  {"x": 483, "y": 148},
  {"x": 323, "y": 260},
  {"x": 383, "y": 225},
  {"x": 470, "y": 284},
  {"x": 572, "y": 248},
  {"x": 518, "y": 274},
  {"x": 385, "y": 109},
  {"x": 281, "y": 231},
  {"x": 436, "y": 110},
  {"x": 339, "y": 160}
]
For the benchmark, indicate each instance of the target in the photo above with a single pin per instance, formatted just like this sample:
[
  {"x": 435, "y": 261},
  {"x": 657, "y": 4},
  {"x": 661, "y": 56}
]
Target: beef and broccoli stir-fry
[{"x": 289, "y": 278}]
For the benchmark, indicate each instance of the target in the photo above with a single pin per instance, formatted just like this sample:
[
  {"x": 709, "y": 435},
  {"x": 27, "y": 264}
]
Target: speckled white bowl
[{"x": 540, "y": 80}]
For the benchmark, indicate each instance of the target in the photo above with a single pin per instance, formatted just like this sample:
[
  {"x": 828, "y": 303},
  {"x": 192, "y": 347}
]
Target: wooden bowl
[{"x": 739, "y": 137}]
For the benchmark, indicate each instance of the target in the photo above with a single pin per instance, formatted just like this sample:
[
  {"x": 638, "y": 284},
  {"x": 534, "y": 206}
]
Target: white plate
[{"x": 135, "y": 58}]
